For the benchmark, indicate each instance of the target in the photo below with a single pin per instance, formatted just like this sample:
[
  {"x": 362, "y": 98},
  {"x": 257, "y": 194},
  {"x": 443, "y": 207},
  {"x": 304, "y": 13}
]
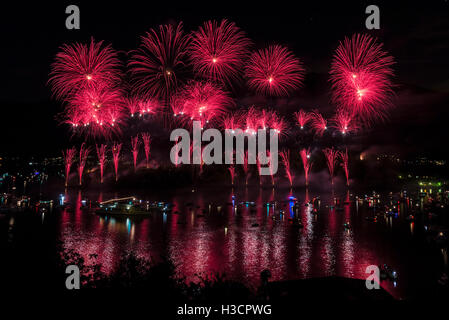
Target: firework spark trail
[
  {"x": 331, "y": 160},
  {"x": 259, "y": 167},
  {"x": 277, "y": 123},
  {"x": 302, "y": 118},
  {"x": 146, "y": 137},
  {"x": 116, "y": 157},
  {"x": 157, "y": 66},
  {"x": 251, "y": 118},
  {"x": 344, "y": 122},
  {"x": 84, "y": 153},
  {"x": 68, "y": 156},
  {"x": 101, "y": 153},
  {"x": 80, "y": 66},
  {"x": 361, "y": 75},
  {"x": 285, "y": 156},
  {"x": 271, "y": 167},
  {"x": 246, "y": 167},
  {"x": 95, "y": 111},
  {"x": 231, "y": 122},
  {"x": 135, "y": 143},
  {"x": 319, "y": 124},
  {"x": 218, "y": 51},
  {"x": 231, "y": 170},
  {"x": 142, "y": 107},
  {"x": 306, "y": 162},
  {"x": 200, "y": 101},
  {"x": 344, "y": 163},
  {"x": 274, "y": 71}
]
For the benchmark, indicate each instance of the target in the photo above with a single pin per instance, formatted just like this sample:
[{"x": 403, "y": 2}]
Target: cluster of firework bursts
[
  {"x": 254, "y": 119},
  {"x": 332, "y": 157},
  {"x": 69, "y": 156},
  {"x": 183, "y": 77}
]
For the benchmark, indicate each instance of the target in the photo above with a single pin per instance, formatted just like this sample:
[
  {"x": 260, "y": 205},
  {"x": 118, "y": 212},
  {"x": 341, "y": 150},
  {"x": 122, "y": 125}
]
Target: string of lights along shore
[{"x": 179, "y": 76}]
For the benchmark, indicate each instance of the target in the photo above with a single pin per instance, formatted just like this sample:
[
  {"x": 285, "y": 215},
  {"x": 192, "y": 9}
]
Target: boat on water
[{"x": 130, "y": 206}]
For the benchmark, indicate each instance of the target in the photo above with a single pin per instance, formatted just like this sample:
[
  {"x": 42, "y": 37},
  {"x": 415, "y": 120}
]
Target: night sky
[{"x": 416, "y": 35}]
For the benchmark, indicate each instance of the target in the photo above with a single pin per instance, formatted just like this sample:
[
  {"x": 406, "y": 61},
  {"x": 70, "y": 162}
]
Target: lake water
[{"x": 206, "y": 233}]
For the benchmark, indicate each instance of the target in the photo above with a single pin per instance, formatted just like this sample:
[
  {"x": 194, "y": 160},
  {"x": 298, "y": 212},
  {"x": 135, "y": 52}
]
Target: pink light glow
[
  {"x": 101, "y": 153},
  {"x": 116, "y": 157},
  {"x": 68, "y": 156},
  {"x": 135, "y": 142},
  {"x": 146, "y": 137},
  {"x": 84, "y": 153}
]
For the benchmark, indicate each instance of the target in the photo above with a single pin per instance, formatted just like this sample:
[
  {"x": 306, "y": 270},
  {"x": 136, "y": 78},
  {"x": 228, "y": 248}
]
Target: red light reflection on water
[{"x": 216, "y": 233}]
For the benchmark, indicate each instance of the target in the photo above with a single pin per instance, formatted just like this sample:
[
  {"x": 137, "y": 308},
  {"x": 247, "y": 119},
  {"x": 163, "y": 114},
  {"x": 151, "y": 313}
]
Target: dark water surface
[{"x": 240, "y": 241}]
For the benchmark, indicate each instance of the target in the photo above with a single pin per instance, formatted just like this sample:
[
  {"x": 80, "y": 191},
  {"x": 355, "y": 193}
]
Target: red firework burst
[
  {"x": 251, "y": 119},
  {"x": 306, "y": 162},
  {"x": 344, "y": 122},
  {"x": 361, "y": 75},
  {"x": 146, "y": 137},
  {"x": 345, "y": 164},
  {"x": 302, "y": 118},
  {"x": 231, "y": 122},
  {"x": 135, "y": 143},
  {"x": 157, "y": 65},
  {"x": 84, "y": 153},
  {"x": 277, "y": 123},
  {"x": 274, "y": 71},
  {"x": 116, "y": 148},
  {"x": 80, "y": 66},
  {"x": 285, "y": 156},
  {"x": 200, "y": 101},
  {"x": 319, "y": 124},
  {"x": 142, "y": 107},
  {"x": 218, "y": 51},
  {"x": 331, "y": 160},
  {"x": 68, "y": 156},
  {"x": 101, "y": 153},
  {"x": 95, "y": 111}
]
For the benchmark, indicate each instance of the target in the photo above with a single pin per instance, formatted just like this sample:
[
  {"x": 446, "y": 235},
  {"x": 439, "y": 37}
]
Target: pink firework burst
[
  {"x": 142, "y": 107},
  {"x": 274, "y": 71},
  {"x": 116, "y": 148},
  {"x": 95, "y": 111},
  {"x": 101, "y": 153},
  {"x": 135, "y": 143},
  {"x": 319, "y": 124},
  {"x": 84, "y": 153},
  {"x": 146, "y": 137},
  {"x": 157, "y": 65},
  {"x": 231, "y": 170},
  {"x": 200, "y": 101},
  {"x": 285, "y": 156},
  {"x": 278, "y": 124},
  {"x": 218, "y": 51},
  {"x": 68, "y": 156},
  {"x": 331, "y": 160},
  {"x": 302, "y": 118},
  {"x": 231, "y": 122},
  {"x": 80, "y": 66},
  {"x": 345, "y": 164},
  {"x": 306, "y": 162},
  {"x": 361, "y": 75},
  {"x": 344, "y": 122},
  {"x": 251, "y": 119}
]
